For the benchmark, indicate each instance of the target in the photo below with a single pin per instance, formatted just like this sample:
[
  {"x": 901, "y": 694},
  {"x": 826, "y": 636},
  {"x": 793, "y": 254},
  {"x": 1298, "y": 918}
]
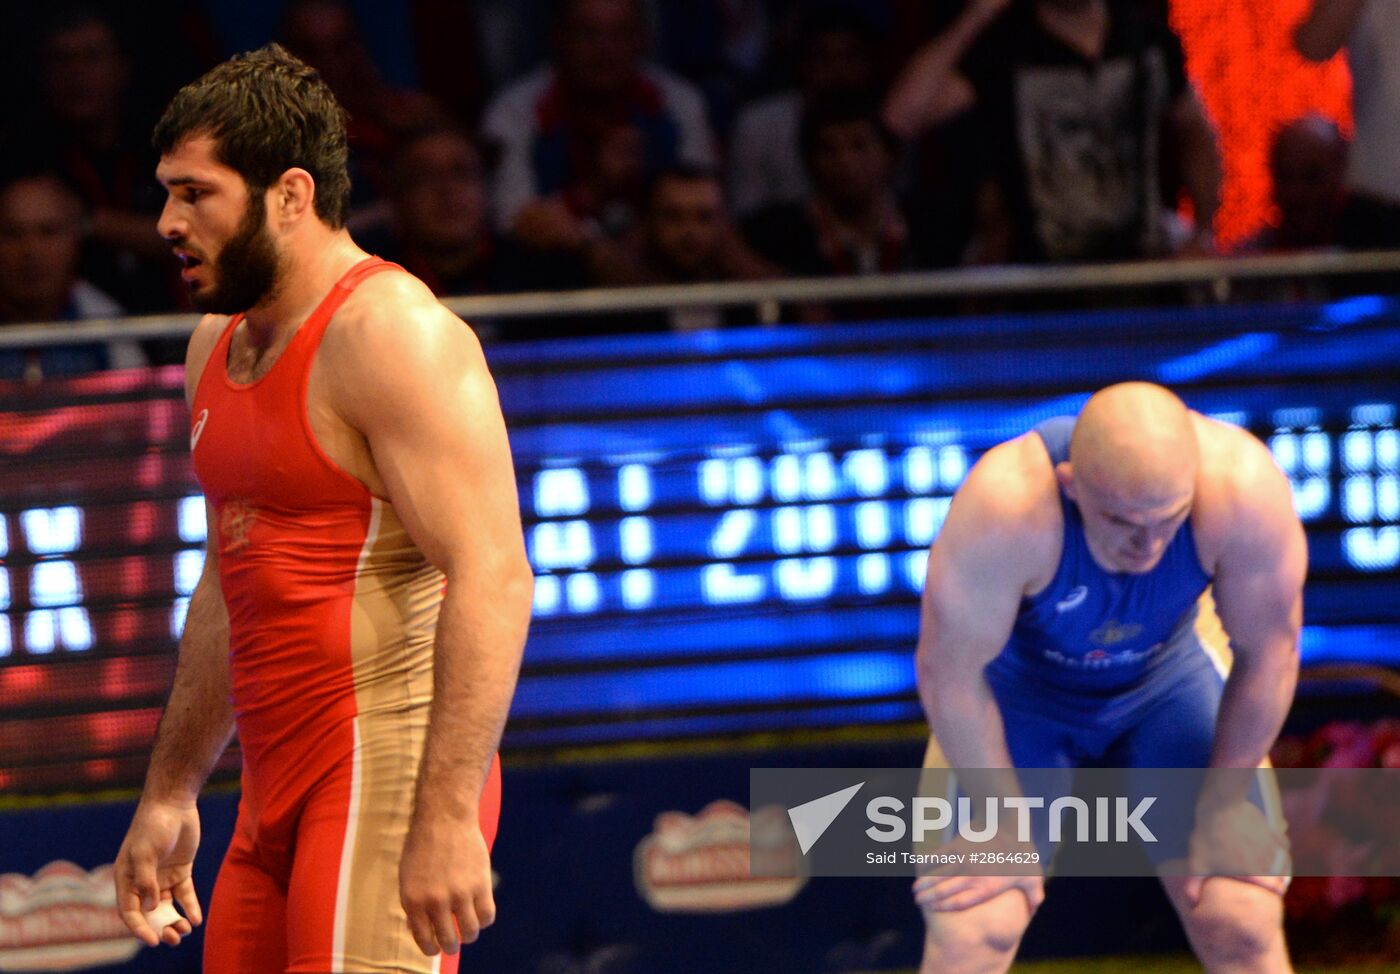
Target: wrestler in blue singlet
[{"x": 1105, "y": 668}]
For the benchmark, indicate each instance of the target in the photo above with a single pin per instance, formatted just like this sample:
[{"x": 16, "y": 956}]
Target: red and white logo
[
  {"x": 63, "y": 919},
  {"x": 701, "y": 863}
]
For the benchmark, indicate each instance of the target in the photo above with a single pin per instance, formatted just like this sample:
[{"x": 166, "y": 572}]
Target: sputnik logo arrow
[{"x": 811, "y": 819}]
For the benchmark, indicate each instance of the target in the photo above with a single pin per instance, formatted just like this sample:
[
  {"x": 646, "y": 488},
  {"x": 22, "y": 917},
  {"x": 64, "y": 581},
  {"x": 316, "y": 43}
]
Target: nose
[{"x": 170, "y": 226}]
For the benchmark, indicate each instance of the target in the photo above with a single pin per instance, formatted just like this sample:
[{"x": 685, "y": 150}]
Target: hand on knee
[
  {"x": 1238, "y": 929},
  {"x": 992, "y": 928}
]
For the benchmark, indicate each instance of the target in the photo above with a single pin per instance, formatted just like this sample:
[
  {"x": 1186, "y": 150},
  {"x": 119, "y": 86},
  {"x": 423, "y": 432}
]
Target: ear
[
  {"x": 1064, "y": 473},
  {"x": 294, "y": 196}
]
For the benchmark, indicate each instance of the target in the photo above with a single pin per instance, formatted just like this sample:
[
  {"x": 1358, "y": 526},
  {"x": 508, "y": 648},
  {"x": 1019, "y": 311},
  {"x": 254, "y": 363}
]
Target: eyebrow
[{"x": 182, "y": 181}]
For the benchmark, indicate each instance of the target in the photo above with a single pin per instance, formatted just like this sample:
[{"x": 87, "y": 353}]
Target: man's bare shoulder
[
  {"x": 1013, "y": 481},
  {"x": 1242, "y": 493},
  {"x": 202, "y": 341},
  {"x": 392, "y": 323},
  {"x": 1010, "y": 500}
]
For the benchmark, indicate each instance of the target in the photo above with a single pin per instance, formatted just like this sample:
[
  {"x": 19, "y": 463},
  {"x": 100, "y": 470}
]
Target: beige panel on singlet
[{"x": 394, "y": 619}]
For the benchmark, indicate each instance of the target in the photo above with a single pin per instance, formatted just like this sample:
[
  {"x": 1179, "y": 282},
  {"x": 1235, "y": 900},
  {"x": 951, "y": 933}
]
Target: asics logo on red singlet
[{"x": 198, "y": 428}]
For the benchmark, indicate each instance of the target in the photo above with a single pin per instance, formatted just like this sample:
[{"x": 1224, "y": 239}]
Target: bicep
[
  {"x": 972, "y": 590},
  {"x": 1259, "y": 584},
  {"x": 965, "y": 618},
  {"x": 438, "y": 440}
]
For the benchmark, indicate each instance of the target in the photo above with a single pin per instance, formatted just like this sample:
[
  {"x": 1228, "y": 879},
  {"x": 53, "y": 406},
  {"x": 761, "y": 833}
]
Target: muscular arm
[
  {"x": 971, "y": 595},
  {"x": 1326, "y": 28},
  {"x": 930, "y": 90},
  {"x": 427, "y": 407},
  {"x": 157, "y": 856},
  {"x": 1259, "y": 596},
  {"x": 198, "y": 720},
  {"x": 978, "y": 570},
  {"x": 429, "y": 412}
]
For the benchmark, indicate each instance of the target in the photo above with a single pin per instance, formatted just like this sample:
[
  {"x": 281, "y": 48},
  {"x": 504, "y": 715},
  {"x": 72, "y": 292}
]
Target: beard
[{"x": 247, "y": 270}]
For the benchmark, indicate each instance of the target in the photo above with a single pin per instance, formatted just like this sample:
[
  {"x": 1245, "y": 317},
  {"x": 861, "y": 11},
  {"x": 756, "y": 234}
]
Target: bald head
[{"x": 1136, "y": 441}]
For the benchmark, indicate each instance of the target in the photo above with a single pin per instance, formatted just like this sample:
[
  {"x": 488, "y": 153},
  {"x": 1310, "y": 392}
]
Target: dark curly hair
[{"x": 267, "y": 112}]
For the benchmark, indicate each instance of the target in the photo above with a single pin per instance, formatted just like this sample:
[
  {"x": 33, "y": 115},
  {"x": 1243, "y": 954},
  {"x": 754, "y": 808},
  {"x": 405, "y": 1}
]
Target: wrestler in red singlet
[
  {"x": 363, "y": 607},
  {"x": 332, "y": 611}
]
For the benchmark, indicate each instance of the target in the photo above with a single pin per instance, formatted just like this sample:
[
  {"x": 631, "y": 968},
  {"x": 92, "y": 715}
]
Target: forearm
[
  {"x": 914, "y": 103},
  {"x": 197, "y": 723},
  {"x": 1255, "y": 703},
  {"x": 1327, "y": 27},
  {"x": 480, "y": 639},
  {"x": 963, "y": 715}
]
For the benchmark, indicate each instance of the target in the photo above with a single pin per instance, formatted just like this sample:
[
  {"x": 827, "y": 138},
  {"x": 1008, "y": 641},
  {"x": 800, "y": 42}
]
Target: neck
[
  {"x": 310, "y": 269},
  {"x": 1083, "y": 26}
]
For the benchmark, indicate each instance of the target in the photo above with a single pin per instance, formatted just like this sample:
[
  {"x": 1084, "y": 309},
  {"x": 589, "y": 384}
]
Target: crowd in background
[{"x": 557, "y": 144}]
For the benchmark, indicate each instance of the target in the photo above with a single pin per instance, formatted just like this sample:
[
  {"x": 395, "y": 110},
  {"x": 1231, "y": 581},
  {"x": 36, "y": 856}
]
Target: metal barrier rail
[{"x": 768, "y": 296}]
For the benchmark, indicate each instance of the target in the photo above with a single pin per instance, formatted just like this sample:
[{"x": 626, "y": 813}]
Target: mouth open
[{"x": 190, "y": 264}]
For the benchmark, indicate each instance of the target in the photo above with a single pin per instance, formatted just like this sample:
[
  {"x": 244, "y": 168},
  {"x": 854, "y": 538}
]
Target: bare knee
[
  {"x": 1239, "y": 928},
  {"x": 977, "y": 940}
]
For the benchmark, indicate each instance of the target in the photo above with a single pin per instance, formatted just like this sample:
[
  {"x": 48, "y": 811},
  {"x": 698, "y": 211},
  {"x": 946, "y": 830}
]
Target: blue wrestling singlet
[{"x": 1106, "y": 668}]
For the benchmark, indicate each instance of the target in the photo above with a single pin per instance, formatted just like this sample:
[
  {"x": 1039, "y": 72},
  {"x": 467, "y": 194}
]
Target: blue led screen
[{"x": 729, "y": 529}]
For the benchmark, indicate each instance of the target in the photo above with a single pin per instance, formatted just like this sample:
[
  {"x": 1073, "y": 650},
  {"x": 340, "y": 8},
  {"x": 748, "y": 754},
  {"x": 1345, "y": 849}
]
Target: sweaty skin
[{"x": 1141, "y": 465}]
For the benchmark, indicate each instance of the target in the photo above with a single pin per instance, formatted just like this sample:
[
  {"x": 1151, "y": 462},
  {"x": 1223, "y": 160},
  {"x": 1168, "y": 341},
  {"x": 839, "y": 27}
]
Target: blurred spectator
[
  {"x": 853, "y": 223},
  {"x": 688, "y": 235},
  {"x": 40, "y": 237},
  {"x": 1307, "y": 161},
  {"x": 685, "y": 237},
  {"x": 579, "y": 140},
  {"x": 324, "y": 34},
  {"x": 86, "y": 130},
  {"x": 835, "y": 52},
  {"x": 1074, "y": 97},
  {"x": 1370, "y": 31},
  {"x": 721, "y": 45},
  {"x": 440, "y": 227}
]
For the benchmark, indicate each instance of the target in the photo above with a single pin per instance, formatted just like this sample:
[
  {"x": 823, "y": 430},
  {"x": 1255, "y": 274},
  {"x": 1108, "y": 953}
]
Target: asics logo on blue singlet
[{"x": 1073, "y": 600}]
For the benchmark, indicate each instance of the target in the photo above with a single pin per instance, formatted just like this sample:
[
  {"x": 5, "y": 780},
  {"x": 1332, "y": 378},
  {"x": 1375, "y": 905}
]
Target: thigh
[
  {"x": 246, "y": 931},
  {"x": 344, "y": 912}
]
